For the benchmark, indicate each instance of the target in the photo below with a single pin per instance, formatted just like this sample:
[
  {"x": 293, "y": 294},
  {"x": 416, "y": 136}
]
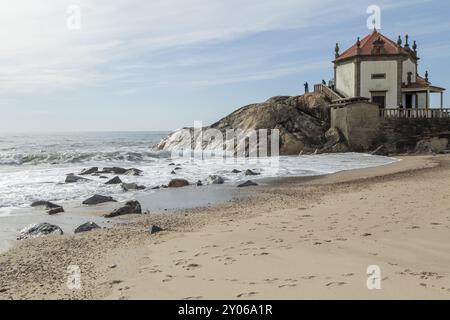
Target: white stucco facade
[
  {"x": 345, "y": 79},
  {"x": 388, "y": 85}
]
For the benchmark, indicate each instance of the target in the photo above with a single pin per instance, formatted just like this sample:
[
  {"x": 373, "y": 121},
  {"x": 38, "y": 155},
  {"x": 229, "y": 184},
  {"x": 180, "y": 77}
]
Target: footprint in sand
[
  {"x": 333, "y": 284},
  {"x": 192, "y": 266},
  {"x": 193, "y": 298}
]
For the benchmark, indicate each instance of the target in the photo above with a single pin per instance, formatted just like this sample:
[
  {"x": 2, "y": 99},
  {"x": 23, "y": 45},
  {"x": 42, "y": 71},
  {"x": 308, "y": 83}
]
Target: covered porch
[{"x": 417, "y": 95}]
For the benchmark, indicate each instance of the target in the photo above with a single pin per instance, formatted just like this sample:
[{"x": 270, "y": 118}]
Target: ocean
[{"x": 34, "y": 166}]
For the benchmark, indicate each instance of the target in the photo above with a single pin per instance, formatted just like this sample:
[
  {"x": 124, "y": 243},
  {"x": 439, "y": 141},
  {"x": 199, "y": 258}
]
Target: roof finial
[
  {"x": 414, "y": 46},
  {"x": 407, "y": 41},
  {"x": 358, "y": 42},
  {"x": 399, "y": 41},
  {"x": 426, "y": 76},
  {"x": 336, "y": 50}
]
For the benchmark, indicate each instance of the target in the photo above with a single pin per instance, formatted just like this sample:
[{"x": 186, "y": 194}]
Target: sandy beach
[{"x": 292, "y": 238}]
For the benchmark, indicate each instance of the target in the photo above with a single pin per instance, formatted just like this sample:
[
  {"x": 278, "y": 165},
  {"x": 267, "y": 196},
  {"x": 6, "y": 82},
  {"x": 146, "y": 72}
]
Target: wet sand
[{"x": 291, "y": 239}]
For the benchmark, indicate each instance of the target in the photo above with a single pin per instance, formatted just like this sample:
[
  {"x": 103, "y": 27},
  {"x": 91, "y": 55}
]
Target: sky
[{"x": 157, "y": 65}]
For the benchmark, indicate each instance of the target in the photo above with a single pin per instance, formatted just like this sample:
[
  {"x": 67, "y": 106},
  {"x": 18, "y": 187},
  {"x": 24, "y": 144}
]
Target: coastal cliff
[{"x": 302, "y": 121}]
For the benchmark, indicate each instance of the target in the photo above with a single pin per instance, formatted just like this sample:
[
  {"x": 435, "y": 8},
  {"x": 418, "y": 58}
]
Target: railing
[
  {"x": 327, "y": 91},
  {"x": 415, "y": 113}
]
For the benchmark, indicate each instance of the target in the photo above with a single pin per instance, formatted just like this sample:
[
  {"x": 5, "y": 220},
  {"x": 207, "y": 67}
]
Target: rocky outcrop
[
  {"x": 88, "y": 226},
  {"x": 97, "y": 199},
  {"x": 71, "y": 178},
  {"x": 89, "y": 171},
  {"x": 47, "y": 204},
  {"x": 154, "y": 229},
  {"x": 131, "y": 186},
  {"x": 432, "y": 145},
  {"x": 115, "y": 180},
  {"x": 39, "y": 230},
  {"x": 249, "y": 172},
  {"x": 301, "y": 121},
  {"x": 131, "y": 207}
]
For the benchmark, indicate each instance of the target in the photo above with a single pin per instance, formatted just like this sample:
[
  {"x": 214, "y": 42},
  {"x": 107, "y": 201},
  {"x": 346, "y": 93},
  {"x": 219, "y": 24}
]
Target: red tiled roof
[
  {"x": 420, "y": 83},
  {"x": 367, "y": 45}
]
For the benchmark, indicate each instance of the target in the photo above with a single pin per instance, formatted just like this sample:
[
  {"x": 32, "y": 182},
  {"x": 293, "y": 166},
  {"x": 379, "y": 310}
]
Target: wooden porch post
[
  {"x": 442, "y": 100},
  {"x": 428, "y": 99}
]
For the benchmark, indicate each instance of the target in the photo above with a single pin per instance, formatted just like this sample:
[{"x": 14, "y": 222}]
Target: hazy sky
[{"x": 161, "y": 64}]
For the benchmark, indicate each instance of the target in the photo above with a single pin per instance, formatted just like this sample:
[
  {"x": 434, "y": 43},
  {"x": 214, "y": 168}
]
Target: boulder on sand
[
  {"x": 236, "y": 171},
  {"x": 178, "y": 183},
  {"x": 131, "y": 207},
  {"x": 88, "y": 226},
  {"x": 131, "y": 186},
  {"x": 155, "y": 229},
  {"x": 214, "y": 179},
  {"x": 89, "y": 171},
  {"x": 249, "y": 172},
  {"x": 115, "y": 170},
  {"x": 115, "y": 180},
  {"x": 71, "y": 178},
  {"x": 97, "y": 199},
  {"x": 55, "y": 211},
  {"x": 47, "y": 204},
  {"x": 39, "y": 230},
  {"x": 248, "y": 183}
]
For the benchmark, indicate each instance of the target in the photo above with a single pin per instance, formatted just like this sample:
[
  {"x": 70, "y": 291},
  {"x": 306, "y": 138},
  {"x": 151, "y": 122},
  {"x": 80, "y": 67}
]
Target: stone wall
[
  {"x": 358, "y": 122},
  {"x": 403, "y": 134},
  {"x": 364, "y": 130}
]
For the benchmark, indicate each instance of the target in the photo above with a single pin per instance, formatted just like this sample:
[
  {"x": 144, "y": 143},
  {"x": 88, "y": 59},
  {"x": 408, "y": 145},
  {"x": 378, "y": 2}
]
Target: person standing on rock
[{"x": 306, "y": 87}]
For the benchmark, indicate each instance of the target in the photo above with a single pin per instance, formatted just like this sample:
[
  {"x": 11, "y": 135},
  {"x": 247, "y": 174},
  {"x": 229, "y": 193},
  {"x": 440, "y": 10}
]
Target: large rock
[
  {"x": 249, "y": 172},
  {"x": 89, "y": 171},
  {"x": 115, "y": 180},
  {"x": 71, "y": 178},
  {"x": 215, "y": 180},
  {"x": 433, "y": 145},
  {"x": 298, "y": 120},
  {"x": 131, "y": 186},
  {"x": 47, "y": 204},
  {"x": 97, "y": 199},
  {"x": 154, "y": 229},
  {"x": 131, "y": 207},
  {"x": 55, "y": 211},
  {"x": 39, "y": 230},
  {"x": 178, "y": 183},
  {"x": 248, "y": 183},
  {"x": 333, "y": 136},
  {"x": 88, "y": 226},
  {"x": 133, "y": 172},
  {"x": 115, "y": 170}
]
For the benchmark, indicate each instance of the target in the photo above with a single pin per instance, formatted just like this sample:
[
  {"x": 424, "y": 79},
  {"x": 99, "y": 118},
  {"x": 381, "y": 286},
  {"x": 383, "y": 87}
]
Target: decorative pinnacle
[
  {"x": 426, "y": 76},
  {"x": 399, "y": 41},
  {"x": 406, "y": 41},
  {"x": 414, "y": 46},
  {"x": 358, "y": 43}
]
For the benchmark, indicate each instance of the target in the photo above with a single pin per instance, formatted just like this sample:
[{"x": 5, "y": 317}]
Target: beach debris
[
  {"x": 97, "y": 199},
  {"x": 131, "y": 186},
  {"x": 88, "y": 226},
  {"x": 55, "y": 211},
  {"x": 249, "y": 172},
  {"x": 112, "y": 266},
  {"x": 133, "y": 172},
  {"x": 248, "y": 183},
  {"x": 39, "y": 230},
  {"x": 236, "y": 171},
  {"x": 178, "y": 183},
  {"x": 115, "y": 180},
  {"x": 155, "y": 229},
  {"x": 199, "y": 183},
  {"x": 71, "y": 178},
  {"x": 131, "y": 207},
  {"x": 47, "y": 204},
  {"x": 214, "y": 179},
  {"x": 89, "y": 171}
]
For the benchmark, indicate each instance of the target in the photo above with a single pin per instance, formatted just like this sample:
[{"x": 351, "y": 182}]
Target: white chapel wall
[
  {"x": 389, "y": 84},
  {"x": 345, "y": 79},
  {"x": 409, "y": 66}
]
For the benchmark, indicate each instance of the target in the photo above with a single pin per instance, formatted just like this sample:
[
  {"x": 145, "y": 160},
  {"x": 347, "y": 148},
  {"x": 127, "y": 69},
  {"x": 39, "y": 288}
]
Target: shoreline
[{"x": 134, "y": 258}]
